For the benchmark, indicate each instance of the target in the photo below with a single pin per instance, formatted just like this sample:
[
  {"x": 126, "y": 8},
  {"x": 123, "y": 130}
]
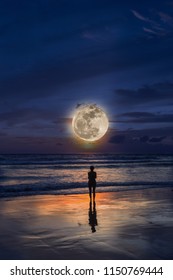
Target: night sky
[{"x": 57, "y": 54}]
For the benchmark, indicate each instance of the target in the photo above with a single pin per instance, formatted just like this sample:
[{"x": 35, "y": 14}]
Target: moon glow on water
[{"x": 90, "y": 123}]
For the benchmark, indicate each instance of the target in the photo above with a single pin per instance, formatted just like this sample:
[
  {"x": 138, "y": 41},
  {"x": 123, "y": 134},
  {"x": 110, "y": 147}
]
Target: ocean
[{"x": 22, "y": 175}]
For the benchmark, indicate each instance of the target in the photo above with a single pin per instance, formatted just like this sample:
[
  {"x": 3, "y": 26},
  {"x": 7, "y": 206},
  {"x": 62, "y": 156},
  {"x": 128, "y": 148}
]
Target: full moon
[{"x": 90, "y": 123}]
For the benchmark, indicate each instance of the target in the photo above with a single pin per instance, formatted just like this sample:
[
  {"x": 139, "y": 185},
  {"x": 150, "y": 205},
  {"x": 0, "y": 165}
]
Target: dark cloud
[
  {"x": 45, "y": 57},
  {"x": 145, "y": 135},
  {"x": 79, "y": 105},
  {"x": 160, "y": 92},
  {"x": 25, "y": 115},
  {"x": 46, "y": 78},
  {"x": 59, "y": 144},
  {"x": 144, "y": 117},
  {"x": 56, "y": 54},
  {"x": 42, "y": 47},
  {"x": 62, "y": 120},
  {"x": 117, "y": 139},
  {"x": 3, "y": 134},
  {"x": 131, "y": 136},
  {"x": 156, "y": 139},
  {"x": 149, "y": 139},
  {"x": 34, "y": 122},
  {"x": 144, "y": 139}
]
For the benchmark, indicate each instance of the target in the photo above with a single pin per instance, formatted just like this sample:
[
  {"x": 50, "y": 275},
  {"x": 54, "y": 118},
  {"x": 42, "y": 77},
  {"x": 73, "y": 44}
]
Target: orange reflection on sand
[
  {"x": 122, "y": 225},
  {"x": 109, "y": 206},
  {"x": 73, "y": 214},
  {"x": 47, "y": 205},
  {"x": 59, "y": 203}
]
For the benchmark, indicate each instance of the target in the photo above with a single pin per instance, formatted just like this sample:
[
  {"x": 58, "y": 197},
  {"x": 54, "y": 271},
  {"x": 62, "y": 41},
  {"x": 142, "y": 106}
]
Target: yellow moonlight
[{"x": 90, "y": 123}]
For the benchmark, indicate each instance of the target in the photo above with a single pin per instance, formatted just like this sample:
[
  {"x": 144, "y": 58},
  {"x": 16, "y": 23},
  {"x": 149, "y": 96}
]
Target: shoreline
[
  {"x": 123, "y": 225},
  {"x": 53, "y": 193}
]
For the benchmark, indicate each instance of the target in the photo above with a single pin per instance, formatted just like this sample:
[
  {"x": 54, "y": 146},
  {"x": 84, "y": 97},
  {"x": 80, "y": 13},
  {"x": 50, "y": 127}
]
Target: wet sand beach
[{"x": 121, "y": 225}]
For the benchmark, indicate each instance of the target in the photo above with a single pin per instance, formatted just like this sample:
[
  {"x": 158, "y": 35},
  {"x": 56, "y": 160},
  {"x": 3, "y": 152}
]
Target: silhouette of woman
[{"x": 92, "y": 175}]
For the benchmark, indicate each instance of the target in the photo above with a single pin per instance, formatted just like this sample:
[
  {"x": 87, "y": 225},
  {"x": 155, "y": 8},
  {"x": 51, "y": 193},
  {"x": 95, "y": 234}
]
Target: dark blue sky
[{"x": 57, "y": 54}]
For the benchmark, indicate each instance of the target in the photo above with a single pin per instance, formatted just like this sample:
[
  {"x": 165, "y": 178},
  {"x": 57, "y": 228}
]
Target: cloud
[
  {"x": 144, "y": 138},
  {"x": 160, "y": 26},
  {"x": 144, "y": 117},
  {"x": 151, "y": 31},
  {"x": 141, "y": 17},
  {"x": 117, "y": 139},
  {"x": 2, "y": 134},
  {"x": 159, "y": 92},
  {"x": 34, "y": 120},
  {"x": 62, "y": 120},
  {"x": 79, "y": 105},
  {"x": 59, "y": 144},
  {"x": 147, "y": 140},
  {"x": 89, "y": 35},
  {"x": 48, "y": 52},
  {"x": 25, "y": 115},
  {"x": 166, "y": 18},
  {"x": 150, "y": 139},
  {"x": 156, "y": 139}
]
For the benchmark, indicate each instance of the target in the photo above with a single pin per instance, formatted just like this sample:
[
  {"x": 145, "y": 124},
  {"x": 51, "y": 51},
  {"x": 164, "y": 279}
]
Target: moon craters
[{"x": 90, "y": 122}]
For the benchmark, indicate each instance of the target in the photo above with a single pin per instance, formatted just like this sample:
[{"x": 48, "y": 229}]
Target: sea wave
[
  {"x": 73, "y": 188},
  {"x": 67, "y": 174}
]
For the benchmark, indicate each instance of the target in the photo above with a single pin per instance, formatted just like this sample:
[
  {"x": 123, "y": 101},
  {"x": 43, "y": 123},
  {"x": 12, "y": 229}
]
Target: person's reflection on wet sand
[{"x": 92, "y": 216}]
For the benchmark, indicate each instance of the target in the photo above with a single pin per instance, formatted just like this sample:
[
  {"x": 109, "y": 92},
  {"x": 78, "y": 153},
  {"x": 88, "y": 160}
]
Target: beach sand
[{"x": 124, "y": 225}]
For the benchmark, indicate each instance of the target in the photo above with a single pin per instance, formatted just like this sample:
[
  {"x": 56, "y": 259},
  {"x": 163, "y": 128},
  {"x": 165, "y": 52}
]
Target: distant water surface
[{"x": 67, "y": 174}]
